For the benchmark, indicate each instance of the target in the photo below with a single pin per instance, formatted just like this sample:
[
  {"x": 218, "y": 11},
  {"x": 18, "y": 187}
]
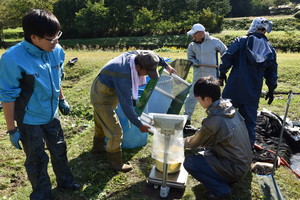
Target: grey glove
[{"x": 64, "y": 107}]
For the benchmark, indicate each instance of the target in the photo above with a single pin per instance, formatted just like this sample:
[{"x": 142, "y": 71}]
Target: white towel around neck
[{"x": 136, "y": 80}]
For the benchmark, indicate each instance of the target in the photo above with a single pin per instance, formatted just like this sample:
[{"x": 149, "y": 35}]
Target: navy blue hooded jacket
[{"x": 245, "y": 81}]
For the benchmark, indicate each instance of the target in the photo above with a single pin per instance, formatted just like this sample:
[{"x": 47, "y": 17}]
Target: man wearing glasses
[{"x": 30, "y": 92}]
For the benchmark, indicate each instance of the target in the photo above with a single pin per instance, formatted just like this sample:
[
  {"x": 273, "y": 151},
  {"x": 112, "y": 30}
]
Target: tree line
[{"x": 112, "y": 18}]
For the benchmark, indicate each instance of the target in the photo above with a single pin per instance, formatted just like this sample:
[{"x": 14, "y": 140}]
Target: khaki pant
[{"x": 105, "y": 101}]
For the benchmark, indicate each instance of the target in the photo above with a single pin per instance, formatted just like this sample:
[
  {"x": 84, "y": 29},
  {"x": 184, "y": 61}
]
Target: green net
[{"x": 143, "y": 100}]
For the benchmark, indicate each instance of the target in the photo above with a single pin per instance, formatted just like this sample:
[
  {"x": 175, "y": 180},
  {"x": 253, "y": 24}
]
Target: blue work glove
[
  {"x": 64, "y": 107},
  {"x": 14, "y": 136}
]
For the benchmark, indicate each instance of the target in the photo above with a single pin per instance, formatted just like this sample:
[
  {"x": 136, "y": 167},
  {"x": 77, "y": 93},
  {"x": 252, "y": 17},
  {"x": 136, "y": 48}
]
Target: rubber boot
[
  {"x": 115, "y": 161},
  {"x": 98, "y": 145}
]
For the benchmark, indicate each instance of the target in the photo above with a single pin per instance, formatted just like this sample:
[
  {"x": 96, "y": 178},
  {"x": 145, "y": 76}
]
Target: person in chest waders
[{"x": 118, "y": 82}]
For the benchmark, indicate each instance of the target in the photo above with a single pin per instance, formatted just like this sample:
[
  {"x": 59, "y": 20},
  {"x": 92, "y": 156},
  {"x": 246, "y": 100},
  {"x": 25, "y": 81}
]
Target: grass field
[{"x": 98, "y": 181}]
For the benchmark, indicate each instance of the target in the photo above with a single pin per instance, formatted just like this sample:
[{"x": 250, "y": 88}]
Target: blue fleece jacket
[{"x": 45, "y": 69}]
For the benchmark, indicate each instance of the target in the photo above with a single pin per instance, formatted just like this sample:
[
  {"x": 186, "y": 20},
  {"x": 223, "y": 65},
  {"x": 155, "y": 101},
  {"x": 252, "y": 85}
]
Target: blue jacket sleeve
[
  {"x": 123, "y": 90},
  {"x": 10, "y": 75},
  {"x": 162, "y": 61},
  {"x": 271, "y": 74}
]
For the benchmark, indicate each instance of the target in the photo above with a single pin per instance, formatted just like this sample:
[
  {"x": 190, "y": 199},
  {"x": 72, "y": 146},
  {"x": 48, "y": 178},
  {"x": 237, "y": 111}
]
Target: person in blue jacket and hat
[
  {"x": 251, "y": 59},
  {"x": 118, "y": 82}
]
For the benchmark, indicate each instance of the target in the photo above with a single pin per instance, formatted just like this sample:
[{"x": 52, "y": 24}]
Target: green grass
[{"x": 93, "y": 172}]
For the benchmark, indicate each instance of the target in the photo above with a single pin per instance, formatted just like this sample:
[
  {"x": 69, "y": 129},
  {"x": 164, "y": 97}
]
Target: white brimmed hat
[{"x": 196, "y": 28}]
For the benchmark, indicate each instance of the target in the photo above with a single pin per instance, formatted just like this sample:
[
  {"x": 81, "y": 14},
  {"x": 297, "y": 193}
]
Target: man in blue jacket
[
  {"x": 118, "y": 82},
  {"x": 252, "y": 58},
  {"x": 30, "y": 91}
]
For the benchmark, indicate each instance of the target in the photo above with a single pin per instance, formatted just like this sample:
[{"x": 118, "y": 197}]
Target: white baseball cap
[{"x": 196, "y": 28}]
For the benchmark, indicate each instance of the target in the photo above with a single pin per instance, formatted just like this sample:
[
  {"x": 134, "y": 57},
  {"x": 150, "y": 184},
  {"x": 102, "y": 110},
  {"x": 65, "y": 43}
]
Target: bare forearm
[
  {"x": 61, "y": 94},
  {"x": 9, "y": 109}
]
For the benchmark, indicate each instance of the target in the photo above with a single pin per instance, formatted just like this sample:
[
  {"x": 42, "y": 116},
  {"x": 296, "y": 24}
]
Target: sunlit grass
[{"x": 98, "y": 181}]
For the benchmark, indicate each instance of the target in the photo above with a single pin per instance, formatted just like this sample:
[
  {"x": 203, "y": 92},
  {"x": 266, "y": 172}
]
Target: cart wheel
[{"x": 155, "y": 186}]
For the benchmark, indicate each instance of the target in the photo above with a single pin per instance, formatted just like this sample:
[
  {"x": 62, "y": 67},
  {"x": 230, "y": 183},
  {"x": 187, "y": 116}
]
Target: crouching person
[{"x": 226, "y": 153}]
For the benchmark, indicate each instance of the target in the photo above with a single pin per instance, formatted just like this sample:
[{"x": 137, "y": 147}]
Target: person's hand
[
  {"x": 189, "y": 129},
  {"x": 222, "y": 78},
  {"x": 270, "y": 96},
  {"x": 64, "y": 107},
  {"x": 14, "y": 136},
  {"x": 144, "y": 128},
  {"x": 171, "y": 70}
]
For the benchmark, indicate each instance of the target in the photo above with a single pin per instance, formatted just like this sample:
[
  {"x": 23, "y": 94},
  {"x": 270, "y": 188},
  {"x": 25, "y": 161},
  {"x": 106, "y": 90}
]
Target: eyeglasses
[{"x": 54, "y": 39}]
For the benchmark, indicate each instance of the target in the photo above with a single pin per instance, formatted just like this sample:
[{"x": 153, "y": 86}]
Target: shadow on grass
[
  {"x": 93, "y": 173},
  {"x": 147, "y": 192},
  {"x": 240, "y": 190}
]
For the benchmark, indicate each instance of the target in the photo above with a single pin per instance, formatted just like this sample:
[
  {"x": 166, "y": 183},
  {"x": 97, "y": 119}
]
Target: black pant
[{"x": 33, "y": 138}]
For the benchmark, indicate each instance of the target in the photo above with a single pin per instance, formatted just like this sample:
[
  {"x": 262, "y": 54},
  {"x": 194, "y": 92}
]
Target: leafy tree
[
  {"x": 165, "y": 27},
  {"x": 171, "y": 8},
  {"x": 219, "y": 7},
  {"x": 188, "y": 18},
  {"x": 144, "y": 21},
  {"x": 260, "y": 7},
  {"x": 92, "y": 21},
  {"x": 240, "y": 8},
  {"x": 280, "y": 2},
  {"x": 12, "y": 11},
  {"x": 122, "y": 15},
  {"x": 211, "y": 21},
  {"x": 2, "y": 17},
  {"x": 65, "y": 11},
  {"x": 44, "y": 4}
]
